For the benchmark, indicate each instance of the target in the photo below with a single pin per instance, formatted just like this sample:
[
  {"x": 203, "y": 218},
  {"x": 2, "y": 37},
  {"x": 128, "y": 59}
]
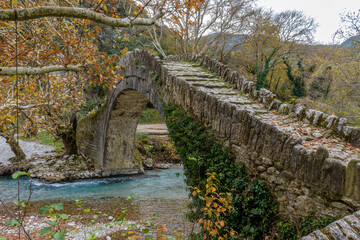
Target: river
[{"x": 156, "y": 192}]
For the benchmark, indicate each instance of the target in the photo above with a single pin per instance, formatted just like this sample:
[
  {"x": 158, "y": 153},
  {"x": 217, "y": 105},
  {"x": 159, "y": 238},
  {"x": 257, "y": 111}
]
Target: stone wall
[{"x": 303, "y": 179}]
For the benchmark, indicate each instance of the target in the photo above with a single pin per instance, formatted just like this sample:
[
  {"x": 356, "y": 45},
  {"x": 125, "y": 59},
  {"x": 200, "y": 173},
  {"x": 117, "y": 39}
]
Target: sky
[{"x": 325, "y": 12}]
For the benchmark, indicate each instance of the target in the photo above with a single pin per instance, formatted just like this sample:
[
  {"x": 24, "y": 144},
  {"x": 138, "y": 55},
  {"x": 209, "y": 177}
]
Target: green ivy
[
  {"x": 255, "y": 213},
  {"x": 254, "y": 208}
]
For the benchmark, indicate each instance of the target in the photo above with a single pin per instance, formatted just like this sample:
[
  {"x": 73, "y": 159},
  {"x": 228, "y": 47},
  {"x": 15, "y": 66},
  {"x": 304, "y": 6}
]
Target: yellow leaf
[
  {"x": 105, "y": 8},
  {"x": 222, "y": 223},
  {"x": 208, "y": 200}
]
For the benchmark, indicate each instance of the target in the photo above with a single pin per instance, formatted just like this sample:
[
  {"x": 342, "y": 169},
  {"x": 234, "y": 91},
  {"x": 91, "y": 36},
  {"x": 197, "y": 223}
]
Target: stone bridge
[{"x": 309, "y": 159}]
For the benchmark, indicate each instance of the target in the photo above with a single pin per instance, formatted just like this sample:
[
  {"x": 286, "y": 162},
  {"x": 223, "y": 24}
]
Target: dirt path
[{"x": 153, "y": 129}]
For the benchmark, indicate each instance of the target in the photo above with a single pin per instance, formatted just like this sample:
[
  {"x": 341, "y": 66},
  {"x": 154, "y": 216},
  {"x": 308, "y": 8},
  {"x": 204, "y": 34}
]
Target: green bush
[{"x": 150, "y": 115}]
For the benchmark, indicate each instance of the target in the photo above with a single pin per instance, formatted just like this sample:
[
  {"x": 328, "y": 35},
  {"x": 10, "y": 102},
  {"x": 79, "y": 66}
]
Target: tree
[
  {"x": 207, "y": 25},
  {"x": 298, "y": 80},
  {"x": 66, "y": 42},
  {"x": 271, "y": 37},
  {"x": 350, "y": 25},
  {"x": 335, "y": 86}
]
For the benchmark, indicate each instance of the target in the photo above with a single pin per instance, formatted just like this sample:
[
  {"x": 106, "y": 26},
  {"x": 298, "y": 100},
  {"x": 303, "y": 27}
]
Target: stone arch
[{"x": 125, "y": 105}]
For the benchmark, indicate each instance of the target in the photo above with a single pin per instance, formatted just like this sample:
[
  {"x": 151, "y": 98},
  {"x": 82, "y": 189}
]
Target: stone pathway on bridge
[
  {"x": 343, "y": 229},
  {"x": 310, "y": 137}
]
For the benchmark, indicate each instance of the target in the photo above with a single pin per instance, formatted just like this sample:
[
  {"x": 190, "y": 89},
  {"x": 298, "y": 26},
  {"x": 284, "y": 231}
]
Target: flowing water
[
  {"x": 165, "y": 184},
  {"x": 161, "y": 192}
]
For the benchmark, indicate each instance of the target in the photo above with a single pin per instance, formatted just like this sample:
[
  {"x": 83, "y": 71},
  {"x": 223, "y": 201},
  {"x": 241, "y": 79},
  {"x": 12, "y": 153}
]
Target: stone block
[
  {"x": 333, "y": 175},
  {"x": 286, "y": 153},
  {"x": 355, "y": 137},
  {"x": 341, "y": 124},
  {"x": 352, "y": 182},
  {"x": 309, "y": 116},
  {"x": 299, "y": 161},
  {"x": 284, "y": 109},
  {"x": 331, "y": 122},
  {"x": 318, "y": 118},
  {"x": 314, "y": 165},
  {"x": 300, "y": 111},
  {"x": 275, "y": 104},
  {"x": 352, "y": 220}
]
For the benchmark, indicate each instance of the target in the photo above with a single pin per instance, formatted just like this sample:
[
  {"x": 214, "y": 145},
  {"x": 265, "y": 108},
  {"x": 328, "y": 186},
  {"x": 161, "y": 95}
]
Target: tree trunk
[
  {"x": 68, "y": 136},
  {"x": 14, "y": 145},
  {"x": 69, "y": 141}
]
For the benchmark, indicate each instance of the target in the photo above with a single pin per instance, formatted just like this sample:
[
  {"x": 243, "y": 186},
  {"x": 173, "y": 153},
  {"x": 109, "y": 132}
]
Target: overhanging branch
[
  {"x": 73, "y": 12},
  {"x": 23, "y": 107},
  {"x": 10, "y": 71}
]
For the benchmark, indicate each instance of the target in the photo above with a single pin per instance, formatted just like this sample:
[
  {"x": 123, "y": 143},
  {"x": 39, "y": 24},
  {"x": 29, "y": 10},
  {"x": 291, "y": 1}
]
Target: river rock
[
  {"x": 148, "y": 163},
  {"x": 4, "y": 170},
  {"x": 163, "y": 166}
]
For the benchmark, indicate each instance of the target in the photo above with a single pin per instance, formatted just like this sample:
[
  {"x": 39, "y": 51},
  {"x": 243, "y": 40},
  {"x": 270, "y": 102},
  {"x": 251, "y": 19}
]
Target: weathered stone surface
[
  {"x": 352, "y": 182},
  {"x": 332, "y": 121},
  {"x": 148, "y": 163},
  {"x": 284, "y": 108},
  {"x": 341, "y": 124},
  {"x": 333, "y": 175},
  {"x": 346, "y": 228},
  {"x": 300, "y": 111}
]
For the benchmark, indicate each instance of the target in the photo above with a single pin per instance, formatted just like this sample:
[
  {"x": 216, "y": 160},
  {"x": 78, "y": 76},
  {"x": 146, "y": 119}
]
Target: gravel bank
[{"x": 29, "y": 149}]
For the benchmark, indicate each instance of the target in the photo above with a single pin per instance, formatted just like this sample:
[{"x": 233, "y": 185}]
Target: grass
[{"x": 149, "y": 116}]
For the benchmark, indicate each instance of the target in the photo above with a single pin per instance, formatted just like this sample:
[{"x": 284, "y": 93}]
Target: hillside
[{"x": 351, "y": 42}]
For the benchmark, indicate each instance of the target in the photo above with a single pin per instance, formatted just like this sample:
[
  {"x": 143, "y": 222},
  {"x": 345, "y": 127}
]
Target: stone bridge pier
[{"x": 108, "y": 135}]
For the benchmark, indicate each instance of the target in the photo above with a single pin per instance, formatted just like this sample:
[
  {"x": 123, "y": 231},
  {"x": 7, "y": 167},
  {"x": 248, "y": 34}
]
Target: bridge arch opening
[{"x": 124, "y": 114}]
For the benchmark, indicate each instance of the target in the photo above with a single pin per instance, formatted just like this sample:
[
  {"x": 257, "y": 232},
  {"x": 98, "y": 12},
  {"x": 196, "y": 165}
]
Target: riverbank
[
  {"x": 153, "y": 150},
  {"x": 116, "y": 218},
  {"x": 136, "y": 198},
  {"x": 157, "y": 197}
]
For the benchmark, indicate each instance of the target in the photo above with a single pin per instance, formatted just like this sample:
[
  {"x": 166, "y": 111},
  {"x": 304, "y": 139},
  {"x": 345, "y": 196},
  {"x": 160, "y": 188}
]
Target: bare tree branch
[
  {"x": 23, "y": 107},
  {"x": 73, "y": 12},
  {"x": 10, "y": 71}
]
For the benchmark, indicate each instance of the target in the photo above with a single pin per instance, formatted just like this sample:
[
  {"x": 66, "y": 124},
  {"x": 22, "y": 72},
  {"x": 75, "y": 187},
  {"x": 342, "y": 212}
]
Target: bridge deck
[{"x": 310, "y": 136}]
